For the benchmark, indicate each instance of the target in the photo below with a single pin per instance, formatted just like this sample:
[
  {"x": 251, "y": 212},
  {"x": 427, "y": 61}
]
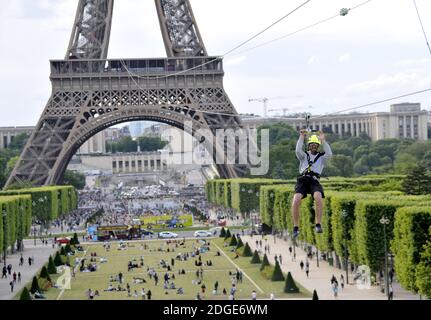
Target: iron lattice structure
[{"x": 91, "y": 93}]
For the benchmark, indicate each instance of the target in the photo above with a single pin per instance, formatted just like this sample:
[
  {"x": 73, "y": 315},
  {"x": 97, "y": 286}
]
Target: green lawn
[{"x": 219, "y": 271}]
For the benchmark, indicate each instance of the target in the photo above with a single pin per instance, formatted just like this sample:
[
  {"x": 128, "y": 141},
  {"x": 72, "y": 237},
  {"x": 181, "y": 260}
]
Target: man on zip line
[{"x": 311, "y": 165}]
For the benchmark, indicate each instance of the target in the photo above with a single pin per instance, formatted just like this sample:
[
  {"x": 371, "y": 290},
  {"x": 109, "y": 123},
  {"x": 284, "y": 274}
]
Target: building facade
[
  {"x": 7, "y": 134},
  {"x": 405, "y": 120}
]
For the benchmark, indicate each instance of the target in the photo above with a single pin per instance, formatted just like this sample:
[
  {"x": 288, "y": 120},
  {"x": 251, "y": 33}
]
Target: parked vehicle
[
  {"x": 167, "y": 235},
  {"x": 203, "y": 233}
]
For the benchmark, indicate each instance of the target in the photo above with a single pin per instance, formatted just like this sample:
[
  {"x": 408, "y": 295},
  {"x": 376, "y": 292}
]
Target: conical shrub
[
  {"x": 25, "y": 295},
  {"x": 57, "y": 259},
  {"x": 51, "y": 266},
  {"x": 315, "y": 296},
  {"x": 74, "y": 241},
  {"x": 67, "y": 248},
  {"x": 277, "y": 275},
  {"x": 34, "y": 286},
  {"x": 44, "y": 274},
  {"x": 256, "y": 257},
  {"x": 239, "y": 243},
  {"x": 247, "y": 251},
  {"x": 265, "y": 262},
  {"x": 233, "y": 241},
  {"x": 222, "y": 233},
  {"x": 228, "y": 235},
  {"x": 290, "y": 286},
  {"x": 62, "y": 251}
]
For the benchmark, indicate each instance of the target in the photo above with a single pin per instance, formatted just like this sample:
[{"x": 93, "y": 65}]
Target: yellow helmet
[{"x": 314, "y": 139}]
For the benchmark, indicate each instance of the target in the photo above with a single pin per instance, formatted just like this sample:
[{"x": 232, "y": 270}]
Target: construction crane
[
  {"x": 265, "y": 100},
  {"x": 265, "y": 106}
]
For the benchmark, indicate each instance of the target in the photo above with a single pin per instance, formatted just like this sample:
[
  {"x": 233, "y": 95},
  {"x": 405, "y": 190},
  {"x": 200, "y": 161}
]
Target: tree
[
  {"x": 44, "y": 274},
  {"x": 315, "y": 296},
  {"x": 256, "y": 258},
  {"x": 417, "y": 181},
  {"x": 265, "y": 262},
  {"x": 233, "y": 241},
  {"x": 62, "y": 251},
  {"x": 404, "y": 162},
  {"x": 57, "y": 259},
  {"x": 18, "y": 142},
  {"x": 277, "y": 275},
  {"x": 25, "y": 295},
  {"x": 222, "y": 233},
  {"x": 239, "y": 243},
  {"x": 11, "y": 164},
  {"x": 228, "y": 235},
  {"x": 148, "y": 144},
  {"x": 34, "y": 286},
  {"x": 247, "y": 250},
  {"x": 290, "y": 285},
  {"x": 344, "y": 164},
  {"x": 51, "y": 266},
  {"x": 74, "y": 241},
  {"x": 73, "y": 178},
  {"x": 67, "y": 248}
]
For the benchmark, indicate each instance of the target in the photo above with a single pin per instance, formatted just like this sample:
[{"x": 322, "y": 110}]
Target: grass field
[{"x": 157, "y": 250}]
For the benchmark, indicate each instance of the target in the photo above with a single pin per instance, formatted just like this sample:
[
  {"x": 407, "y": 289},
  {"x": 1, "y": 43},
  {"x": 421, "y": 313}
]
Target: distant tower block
[{"x": 91, "y": 93}]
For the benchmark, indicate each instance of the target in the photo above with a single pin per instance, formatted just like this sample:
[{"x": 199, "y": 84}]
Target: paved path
[
  {"x": 41, "y": 255},
  {"x": 319, "y": 277}
]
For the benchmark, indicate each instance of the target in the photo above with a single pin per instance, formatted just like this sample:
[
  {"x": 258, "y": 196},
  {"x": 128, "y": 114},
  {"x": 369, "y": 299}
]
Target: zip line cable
[
  {"x": 422, "y": 26},
  {"x": 243, "y": 43},
  {"x": 132, "y": 75},
  {"x": 228, "y": 52},
  {"x": 267, "y": 28},
  {"x": 302, "y": 29},
  {"x": 375, "y": 102}
]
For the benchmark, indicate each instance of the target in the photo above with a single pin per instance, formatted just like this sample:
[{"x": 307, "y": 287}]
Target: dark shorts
[{"x": 308, "y": 185}]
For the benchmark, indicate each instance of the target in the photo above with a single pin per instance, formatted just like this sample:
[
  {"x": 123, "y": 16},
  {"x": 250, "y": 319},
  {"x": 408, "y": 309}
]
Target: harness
[{"x": 307, "y": 171}]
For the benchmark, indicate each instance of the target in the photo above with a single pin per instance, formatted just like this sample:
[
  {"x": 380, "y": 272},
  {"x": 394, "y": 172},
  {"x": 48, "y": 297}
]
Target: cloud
[
  {"x": 345, "y": 58},
  {"x": 384, "y": 80}
]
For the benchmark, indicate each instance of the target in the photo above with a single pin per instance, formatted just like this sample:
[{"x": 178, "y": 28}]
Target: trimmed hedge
[
  {"x": 247, "y": 251},
  {"x": 369, "y": 231},
  {"x": 290, "y": 285},
  {"x": 410, "y": 235},
  {"x": 256, "y": 258},
  {"x": 17, "y": 222},
  {"x": 277, "y": 275},
  {"x": 47, "y": 203},
  {"x": 265, "y": 262},
  {"x": 245, "y": 193},
  {"x": 423, "y": 271}
]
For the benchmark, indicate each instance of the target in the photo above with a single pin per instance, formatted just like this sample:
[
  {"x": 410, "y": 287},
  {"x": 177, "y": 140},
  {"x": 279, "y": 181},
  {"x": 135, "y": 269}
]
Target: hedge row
[
  {"x": 411, "y": 232},
  {"x": 15, "y": 222},
  {"x": 48, "y": 203}
]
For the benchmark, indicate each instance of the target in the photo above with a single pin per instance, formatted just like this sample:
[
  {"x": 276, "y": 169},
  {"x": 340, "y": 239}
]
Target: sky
[{"x": 377, "y": 51}]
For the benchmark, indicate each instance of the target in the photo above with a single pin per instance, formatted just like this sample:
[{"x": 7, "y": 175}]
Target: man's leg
[
  {"x": 295, "y": 208},
  {"x": 319, "y": 206}
]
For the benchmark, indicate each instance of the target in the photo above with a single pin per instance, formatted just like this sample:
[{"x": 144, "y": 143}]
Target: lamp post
[
  {"x": 34, "y": 235},
  {"x": 346, "y": 260},
  {"x": 384, "y": 221}
]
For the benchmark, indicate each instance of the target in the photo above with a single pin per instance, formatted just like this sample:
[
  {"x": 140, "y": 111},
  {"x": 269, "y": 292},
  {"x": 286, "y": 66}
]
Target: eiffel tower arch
[{"x": 91, "y": 93}]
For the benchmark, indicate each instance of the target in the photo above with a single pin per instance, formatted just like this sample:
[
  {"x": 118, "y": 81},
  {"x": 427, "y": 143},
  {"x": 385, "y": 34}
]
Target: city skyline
[{"x": 365, "y": 56}]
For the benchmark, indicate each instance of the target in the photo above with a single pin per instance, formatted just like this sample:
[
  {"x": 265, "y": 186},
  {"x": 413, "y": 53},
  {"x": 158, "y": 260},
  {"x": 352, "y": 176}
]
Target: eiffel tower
[{"x": 91, "y": 93}]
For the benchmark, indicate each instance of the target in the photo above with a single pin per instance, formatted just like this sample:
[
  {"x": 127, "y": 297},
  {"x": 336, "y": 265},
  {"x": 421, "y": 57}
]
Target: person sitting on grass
[{"x": 180, "y": 291}]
